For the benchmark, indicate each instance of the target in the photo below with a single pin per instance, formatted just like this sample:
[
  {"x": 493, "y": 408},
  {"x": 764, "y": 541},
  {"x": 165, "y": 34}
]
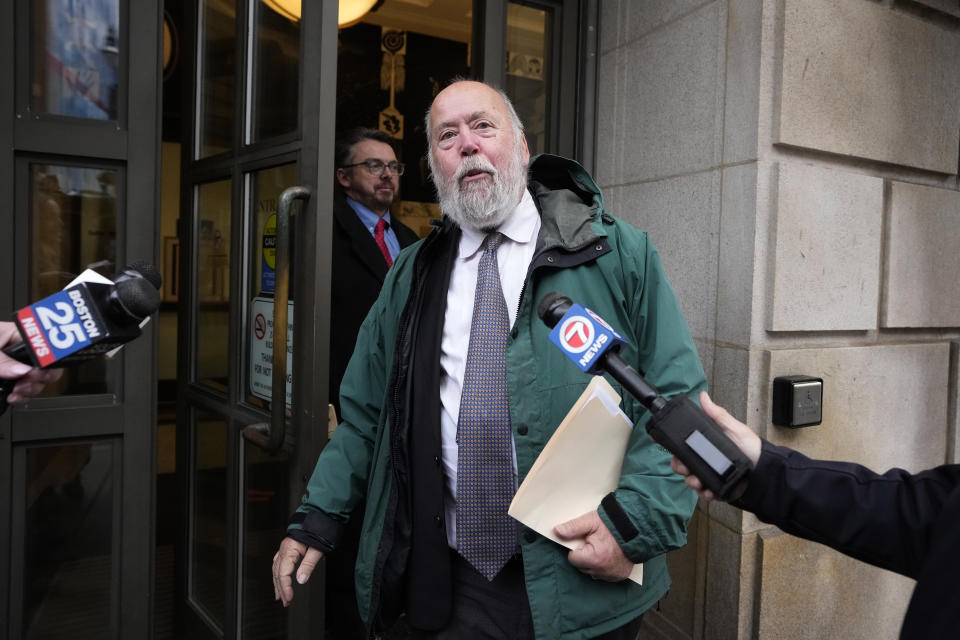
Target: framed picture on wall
[{"x": 171, "y": 268}]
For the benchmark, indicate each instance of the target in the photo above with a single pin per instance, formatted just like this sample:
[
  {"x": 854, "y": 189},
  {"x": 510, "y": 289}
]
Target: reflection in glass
[
  {"x": 266, "y": 497},
  {"x": 528, "y": 67},
  {"x": 402, "y": 54},
  {"x": 68, "y": 586},
  {"x": 217, "y": 33},
  {"x": 213, "y": 283},
  {"x": 73, "y": 227},
  {"x": 276, "y": 73},
  {"x": 208, "y": 500},
  {"x": 75, "y": 58},
  {"x": 267, "y": 186}
]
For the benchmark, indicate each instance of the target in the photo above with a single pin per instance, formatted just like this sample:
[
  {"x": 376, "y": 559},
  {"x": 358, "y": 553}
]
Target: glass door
[
  {"x": 78, "y": 173},
  {"x": 249, "y": 256},
  {"x": 272, "y": 83}
]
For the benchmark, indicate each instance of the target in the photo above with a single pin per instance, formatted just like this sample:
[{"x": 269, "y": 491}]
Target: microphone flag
[
  {"x": 60, "y": 324},
  {"x": 584, "y": 337}
]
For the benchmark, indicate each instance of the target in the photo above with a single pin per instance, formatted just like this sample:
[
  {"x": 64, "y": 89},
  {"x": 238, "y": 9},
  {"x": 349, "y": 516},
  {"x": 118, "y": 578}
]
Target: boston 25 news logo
[{"x": 59, "y": 324}]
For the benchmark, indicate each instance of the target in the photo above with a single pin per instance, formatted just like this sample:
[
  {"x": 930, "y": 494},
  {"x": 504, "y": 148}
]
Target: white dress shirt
[{"x": 513, "y": 259}]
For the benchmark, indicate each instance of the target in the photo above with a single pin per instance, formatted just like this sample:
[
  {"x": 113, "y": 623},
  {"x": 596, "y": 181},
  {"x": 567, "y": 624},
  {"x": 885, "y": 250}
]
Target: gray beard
[{"x": 482, "y": 205}]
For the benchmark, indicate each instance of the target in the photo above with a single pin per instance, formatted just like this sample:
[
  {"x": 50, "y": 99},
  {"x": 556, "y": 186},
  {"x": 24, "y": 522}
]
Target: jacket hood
[
  {"x": 570, "y": 203},
  {"x": 556, "y": 172}
]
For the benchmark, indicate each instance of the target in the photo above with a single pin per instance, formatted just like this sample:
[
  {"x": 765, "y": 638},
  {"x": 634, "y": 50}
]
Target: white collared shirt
[{"x": 513, "y": 259}]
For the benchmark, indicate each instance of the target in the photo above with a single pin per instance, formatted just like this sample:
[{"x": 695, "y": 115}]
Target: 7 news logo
[
  {"x": 584, "y": 336},
  {"x": 576, "y": 334}
]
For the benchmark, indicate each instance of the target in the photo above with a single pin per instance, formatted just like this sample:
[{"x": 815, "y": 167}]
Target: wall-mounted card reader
[{"x": 797, "y": 401}]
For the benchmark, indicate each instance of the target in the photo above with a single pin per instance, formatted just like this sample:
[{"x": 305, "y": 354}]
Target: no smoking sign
[{"x": 261, "y": 348}]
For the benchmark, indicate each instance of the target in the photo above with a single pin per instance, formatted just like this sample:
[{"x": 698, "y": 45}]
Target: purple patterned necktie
[{"x": 486, "y": 535}]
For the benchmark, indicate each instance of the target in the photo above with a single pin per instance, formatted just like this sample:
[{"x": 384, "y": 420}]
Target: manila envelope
[{"x": 578, "y": 467}]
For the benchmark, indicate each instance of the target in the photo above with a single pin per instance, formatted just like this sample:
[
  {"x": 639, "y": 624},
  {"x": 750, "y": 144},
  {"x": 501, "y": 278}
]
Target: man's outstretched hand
[{"x": 286, "y": 559}]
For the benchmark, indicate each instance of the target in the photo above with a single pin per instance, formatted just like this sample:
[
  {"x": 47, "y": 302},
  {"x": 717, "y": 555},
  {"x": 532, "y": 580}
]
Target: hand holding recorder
[{"x": 741, "y": 435}]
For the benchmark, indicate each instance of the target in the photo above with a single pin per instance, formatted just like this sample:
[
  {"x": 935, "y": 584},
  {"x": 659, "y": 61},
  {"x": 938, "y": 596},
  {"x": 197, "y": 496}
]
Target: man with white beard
[{"x": 454, "y": 389}]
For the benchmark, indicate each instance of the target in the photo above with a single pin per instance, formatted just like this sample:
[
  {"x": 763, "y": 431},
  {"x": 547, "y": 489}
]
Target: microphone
[
  {"x": 85, "y": 320},
  {"x": 141, "y": 269},
  {"x": 678, "y": 423}
]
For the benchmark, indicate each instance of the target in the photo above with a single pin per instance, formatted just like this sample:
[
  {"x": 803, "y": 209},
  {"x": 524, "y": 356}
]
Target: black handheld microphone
[
  {"x": 83, "y": 321},
  {"x": 678, "y": 423}
]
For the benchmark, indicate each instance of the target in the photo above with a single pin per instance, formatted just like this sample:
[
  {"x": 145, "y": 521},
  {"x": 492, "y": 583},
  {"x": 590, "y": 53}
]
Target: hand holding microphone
[
  {"x": 85, "y": 320},
  {"x": 22, "y": 380},
  {"x": 677, "y": 424}
]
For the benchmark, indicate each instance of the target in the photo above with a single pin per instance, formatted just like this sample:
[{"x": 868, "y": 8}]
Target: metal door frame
[
  {"x": 311, "y": 147},
  {"x": 314, "y": 147},
  {"x": 132, "y": 142}
]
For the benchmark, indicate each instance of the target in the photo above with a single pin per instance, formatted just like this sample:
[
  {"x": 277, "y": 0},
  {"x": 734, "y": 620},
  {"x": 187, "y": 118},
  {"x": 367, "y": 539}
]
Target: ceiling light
[
  {"x": 289, "y": 9},
  {"x": 350, "y": 11}
]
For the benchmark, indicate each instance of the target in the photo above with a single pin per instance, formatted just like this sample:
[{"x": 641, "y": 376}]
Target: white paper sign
[{"x": 261, "y": 348}]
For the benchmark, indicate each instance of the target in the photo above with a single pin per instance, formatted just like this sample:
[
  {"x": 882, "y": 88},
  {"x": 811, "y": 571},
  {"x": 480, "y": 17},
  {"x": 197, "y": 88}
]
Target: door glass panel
[
  {"x": 213, "y": 283},
  {"x": 528, "y": 66},
  {"x": 75, "y": 58},
  {"x": 275, "y": 93},
  {"x": 266, "y": 497},
  {"x": 266, "y": 187},
  {"x": 217, "y": 29},
  {"x": 390, "y": 65},
  {"x": 68, "y": 589},
  {"x": 74, "y": 227},
  {"x": 208, "y": 500}
]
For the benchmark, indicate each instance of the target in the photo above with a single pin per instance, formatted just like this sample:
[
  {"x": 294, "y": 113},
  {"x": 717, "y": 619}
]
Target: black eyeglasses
[{"x": 376, "y": 167}]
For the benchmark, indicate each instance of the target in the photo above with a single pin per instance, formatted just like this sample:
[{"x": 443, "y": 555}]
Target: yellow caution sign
[{"x": 269, "y": 254}]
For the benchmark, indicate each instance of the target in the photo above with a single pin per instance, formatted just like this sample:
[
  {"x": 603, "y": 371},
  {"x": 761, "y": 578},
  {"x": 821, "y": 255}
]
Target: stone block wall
[{"x": 796, "y": 164}]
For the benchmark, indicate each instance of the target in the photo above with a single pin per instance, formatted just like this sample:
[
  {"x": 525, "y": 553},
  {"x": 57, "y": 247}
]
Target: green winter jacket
[{"x": 598, "y": 261}]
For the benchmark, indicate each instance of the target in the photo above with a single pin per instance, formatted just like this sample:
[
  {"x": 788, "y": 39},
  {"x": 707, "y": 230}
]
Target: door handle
[{"x": 271, "y": 436}]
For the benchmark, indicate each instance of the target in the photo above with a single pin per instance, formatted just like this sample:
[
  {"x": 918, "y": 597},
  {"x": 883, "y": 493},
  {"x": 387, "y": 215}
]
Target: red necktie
[{"x": 378, "y": 236}]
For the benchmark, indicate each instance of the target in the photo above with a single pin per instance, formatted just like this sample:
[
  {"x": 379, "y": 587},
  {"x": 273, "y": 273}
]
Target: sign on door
[{"x": 261, "y": 348}]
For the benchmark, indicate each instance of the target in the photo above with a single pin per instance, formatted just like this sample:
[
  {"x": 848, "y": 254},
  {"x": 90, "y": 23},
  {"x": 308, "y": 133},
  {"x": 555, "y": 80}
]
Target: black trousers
[{"x": 497, "y": 609}]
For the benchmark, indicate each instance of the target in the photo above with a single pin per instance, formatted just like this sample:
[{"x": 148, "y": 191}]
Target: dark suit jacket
[{"x": 358, "y": 273}]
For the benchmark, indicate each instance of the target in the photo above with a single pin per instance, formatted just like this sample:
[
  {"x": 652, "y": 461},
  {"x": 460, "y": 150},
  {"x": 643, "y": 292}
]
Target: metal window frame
[
  {"x": 17, "y": 573},
  {"x": 572, "y": 77},
  {"x": 133, "y": 142}
]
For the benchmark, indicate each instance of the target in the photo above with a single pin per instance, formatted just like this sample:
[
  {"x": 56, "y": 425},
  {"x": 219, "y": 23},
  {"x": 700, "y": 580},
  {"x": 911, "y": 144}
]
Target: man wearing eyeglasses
[{"x": 366, "y": 240}]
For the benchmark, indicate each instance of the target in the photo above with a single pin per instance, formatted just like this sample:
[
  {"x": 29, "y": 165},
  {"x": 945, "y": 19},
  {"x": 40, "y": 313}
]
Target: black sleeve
[
  {"x": 884, "y": 520},
  {"x": 317, "y": 530}
]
